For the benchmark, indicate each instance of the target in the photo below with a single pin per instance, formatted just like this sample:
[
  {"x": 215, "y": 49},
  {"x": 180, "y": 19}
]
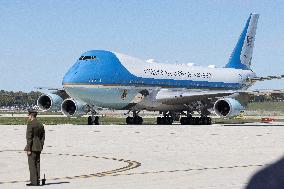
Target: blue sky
[{"x": 40, "y": 40}]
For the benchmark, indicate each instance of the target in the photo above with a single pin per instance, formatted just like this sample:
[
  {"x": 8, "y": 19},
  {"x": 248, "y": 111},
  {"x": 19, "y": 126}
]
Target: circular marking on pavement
[
  {"x": 129, "y": 165},
  {"x": 187, "y": 170}
]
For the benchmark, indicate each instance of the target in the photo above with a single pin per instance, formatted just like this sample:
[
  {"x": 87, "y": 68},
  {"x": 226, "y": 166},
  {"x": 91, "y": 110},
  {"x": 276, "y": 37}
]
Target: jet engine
[
  {"x": 72, "y": 108},
  {"x": 228, "y": 107},
  {"x": 50, "y": 102}
]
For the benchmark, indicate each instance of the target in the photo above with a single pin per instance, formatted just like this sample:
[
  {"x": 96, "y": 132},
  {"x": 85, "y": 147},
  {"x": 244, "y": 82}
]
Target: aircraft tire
[
  {"x": 129, "y": 120},
  {"x": 169, "y": 120},
  {"x": 96, "y": 121},
  {"x": 198, "y": 121},
  {"x": 140, "y": 120},
  {"x": 183, "y": 121},
  {"x": 137, "y": 120},
  {"x": 90, "y": 120},
  {"x": 205, "y": 121},
  {"x": 190, "y": 121},
  {"x": 209, "y": 121},
  {"x": 195, "y": 121},
  {"x": 163, "y": 121},
  {"x": 159, "y": 121}
]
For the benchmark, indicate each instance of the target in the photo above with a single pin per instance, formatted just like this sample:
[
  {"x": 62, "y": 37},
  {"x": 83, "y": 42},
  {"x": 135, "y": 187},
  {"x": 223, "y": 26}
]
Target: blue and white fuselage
[
  {"x": 114, "y": 80},
  {"x": 100, "y": 77}
]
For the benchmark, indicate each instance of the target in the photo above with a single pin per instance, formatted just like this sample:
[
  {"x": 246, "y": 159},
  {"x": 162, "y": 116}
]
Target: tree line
[{"x": 23, "y": 99}]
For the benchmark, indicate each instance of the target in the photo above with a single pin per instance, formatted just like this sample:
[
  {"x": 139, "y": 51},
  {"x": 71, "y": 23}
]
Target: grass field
[
  {"x": 266, "y": 106},
  {"x": 65, "y": 120},
  {"x": 105, "y": 121},
  {"x": 108, "y": 120}
]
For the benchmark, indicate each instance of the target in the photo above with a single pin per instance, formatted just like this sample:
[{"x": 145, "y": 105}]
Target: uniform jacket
[{"x": 35, "y": 136}]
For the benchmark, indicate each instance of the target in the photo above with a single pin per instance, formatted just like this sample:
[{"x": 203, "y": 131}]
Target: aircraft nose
[
  {"x": 92, "y": 66},
  {"x": 80, "y": 72},
  {"x": 68, "y": 78},
  {"x": 71, "y": 75}
]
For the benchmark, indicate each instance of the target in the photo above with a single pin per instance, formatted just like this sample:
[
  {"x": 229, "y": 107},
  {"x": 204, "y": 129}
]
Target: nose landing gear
[{"x": 92, "y": 119}]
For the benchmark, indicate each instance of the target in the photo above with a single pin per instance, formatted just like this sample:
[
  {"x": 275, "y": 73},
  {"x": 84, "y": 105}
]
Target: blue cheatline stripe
[
  {"x": 159, "y": 83},
  {"x": 108, "y": 70},
  {"x": 235, "y": 61}
]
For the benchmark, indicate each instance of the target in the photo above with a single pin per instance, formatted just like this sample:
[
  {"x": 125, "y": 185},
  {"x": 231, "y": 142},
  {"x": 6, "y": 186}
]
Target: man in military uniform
[{"x": 35, "y": 136}]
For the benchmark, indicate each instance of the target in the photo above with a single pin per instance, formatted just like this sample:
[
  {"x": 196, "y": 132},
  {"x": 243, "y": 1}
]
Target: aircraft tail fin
[{"x": 242, "y": 54}]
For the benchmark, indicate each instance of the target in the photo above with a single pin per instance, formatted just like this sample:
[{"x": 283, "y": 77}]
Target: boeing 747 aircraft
[{"x": 113, "y": 80}]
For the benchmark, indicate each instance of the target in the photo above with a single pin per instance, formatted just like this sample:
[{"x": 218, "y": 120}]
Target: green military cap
[{"x": 32, "y": 111}]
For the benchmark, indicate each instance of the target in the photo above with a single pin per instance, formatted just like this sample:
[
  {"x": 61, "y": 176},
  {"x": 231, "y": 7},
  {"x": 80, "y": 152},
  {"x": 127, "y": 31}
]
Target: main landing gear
[
  {"x": 167, "y": 119},
  {"x": 135, "y": 120},
  {"x": 189, "y": 120}
]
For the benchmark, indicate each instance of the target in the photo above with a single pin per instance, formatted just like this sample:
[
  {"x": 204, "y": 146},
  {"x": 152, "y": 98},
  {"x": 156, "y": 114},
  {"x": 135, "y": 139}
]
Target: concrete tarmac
[{"x": 143, "y": 156}]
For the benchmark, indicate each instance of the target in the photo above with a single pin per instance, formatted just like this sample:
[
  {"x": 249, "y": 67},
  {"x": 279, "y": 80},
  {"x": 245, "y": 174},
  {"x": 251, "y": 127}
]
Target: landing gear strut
[{"x": 135, "y": 120}]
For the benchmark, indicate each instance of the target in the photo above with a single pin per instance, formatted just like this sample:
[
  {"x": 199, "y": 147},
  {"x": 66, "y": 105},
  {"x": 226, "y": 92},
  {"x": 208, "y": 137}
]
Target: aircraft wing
[
  {"x": 58, "y": 91},
  {"x": 187, "y": 96},
  {"x": 254, "y": 79}
]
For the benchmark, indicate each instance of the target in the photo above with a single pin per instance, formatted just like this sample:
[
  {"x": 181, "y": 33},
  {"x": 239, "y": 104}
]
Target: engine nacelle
[
  {"x": 72, "y": 108},
  {"x": 228, "y": 107},
  {"x": 49, "y": 102}
]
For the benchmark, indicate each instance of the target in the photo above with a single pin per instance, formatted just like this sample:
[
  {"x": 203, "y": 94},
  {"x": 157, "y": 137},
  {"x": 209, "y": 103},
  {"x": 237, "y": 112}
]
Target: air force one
[{"x": 113, "y": 80}]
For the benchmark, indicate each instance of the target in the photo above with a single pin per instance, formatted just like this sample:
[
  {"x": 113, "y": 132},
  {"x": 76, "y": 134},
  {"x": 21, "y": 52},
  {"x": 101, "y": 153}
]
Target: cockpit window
[{"x": 87, "y": 57}]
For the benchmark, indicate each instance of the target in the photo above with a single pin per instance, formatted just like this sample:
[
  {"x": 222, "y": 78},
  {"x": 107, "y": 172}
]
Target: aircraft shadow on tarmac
[{"x": 271, "y": 177}]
